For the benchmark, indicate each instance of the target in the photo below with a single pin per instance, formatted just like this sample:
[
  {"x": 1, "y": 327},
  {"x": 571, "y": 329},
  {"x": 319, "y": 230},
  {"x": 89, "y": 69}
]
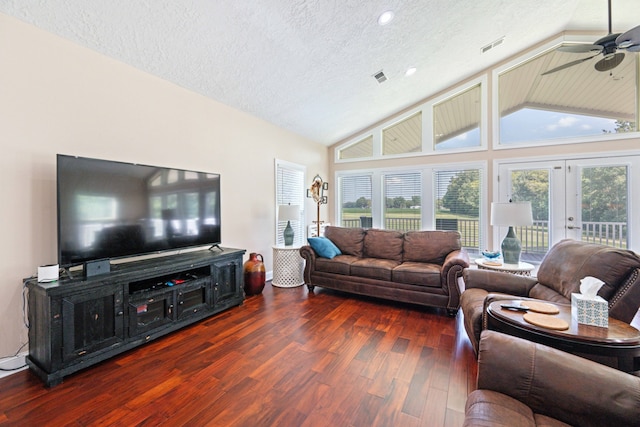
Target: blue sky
[{"x": 534, "y": 125}]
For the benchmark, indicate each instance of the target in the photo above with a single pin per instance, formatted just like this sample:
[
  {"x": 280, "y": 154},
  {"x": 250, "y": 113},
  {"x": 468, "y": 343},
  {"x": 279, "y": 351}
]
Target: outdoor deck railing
[{"x": 534, "y": 238}]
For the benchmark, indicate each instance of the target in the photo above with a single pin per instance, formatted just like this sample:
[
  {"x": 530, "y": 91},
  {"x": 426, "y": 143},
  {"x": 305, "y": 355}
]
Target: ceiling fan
[{"x": 608, "y": 46}]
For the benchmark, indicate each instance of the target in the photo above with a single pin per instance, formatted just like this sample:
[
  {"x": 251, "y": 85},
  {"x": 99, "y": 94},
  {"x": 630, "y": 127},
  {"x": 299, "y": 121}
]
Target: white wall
[{"x": 57, "y": 97}]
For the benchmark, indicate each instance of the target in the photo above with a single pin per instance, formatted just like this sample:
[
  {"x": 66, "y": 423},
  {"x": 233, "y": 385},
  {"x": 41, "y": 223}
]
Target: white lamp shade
[
  {"x": 511, "y": 214},
  {"x": 288, "y": 212}
]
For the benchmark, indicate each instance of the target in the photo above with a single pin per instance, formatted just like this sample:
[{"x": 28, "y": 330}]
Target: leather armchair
[
  {"x": 521, "y": 383},
  {"x": 558, "y": 277}
]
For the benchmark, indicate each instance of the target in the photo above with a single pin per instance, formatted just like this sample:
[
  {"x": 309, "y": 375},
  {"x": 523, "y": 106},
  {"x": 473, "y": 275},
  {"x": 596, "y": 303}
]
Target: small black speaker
[{"x": 96, "y": 268}]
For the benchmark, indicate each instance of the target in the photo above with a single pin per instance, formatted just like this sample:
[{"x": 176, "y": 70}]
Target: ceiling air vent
[
  {"x": 492, "y": 45},
  {"x": 380, "y": 77}
]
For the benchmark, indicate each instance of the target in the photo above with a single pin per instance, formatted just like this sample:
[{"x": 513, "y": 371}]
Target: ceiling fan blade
[
  {"x": 630, "y": 38},
  {"x": 610, "y": 62},
  {"x": 569, "y": 64},
  {"x": 580, "y": 48}
]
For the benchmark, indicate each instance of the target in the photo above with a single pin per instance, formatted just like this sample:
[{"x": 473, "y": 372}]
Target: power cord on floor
[
  {"x": 15, "y": 355},
  {"x": 25, "y": 320}
]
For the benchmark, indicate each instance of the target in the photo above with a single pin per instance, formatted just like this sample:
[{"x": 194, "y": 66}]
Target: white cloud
[{"x": 563, "y": 122}]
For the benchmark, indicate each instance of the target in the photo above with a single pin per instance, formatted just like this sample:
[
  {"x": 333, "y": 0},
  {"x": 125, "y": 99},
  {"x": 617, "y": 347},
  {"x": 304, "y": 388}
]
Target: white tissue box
[{"x": 590, "y": 311}]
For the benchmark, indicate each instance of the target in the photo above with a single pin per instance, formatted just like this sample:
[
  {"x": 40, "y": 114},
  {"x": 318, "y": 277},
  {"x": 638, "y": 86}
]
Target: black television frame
[{"x": 126, "y": 240}]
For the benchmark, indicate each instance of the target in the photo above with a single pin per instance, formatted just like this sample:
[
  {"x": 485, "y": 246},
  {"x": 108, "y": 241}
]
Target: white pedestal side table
[
  {"x": 520, "y": 269},
  {"x": 288, "y": 266}
]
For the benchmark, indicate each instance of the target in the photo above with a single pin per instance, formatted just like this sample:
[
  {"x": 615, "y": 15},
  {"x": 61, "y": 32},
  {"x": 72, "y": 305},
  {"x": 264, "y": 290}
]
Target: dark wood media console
[{"x": 76, "y": 323}]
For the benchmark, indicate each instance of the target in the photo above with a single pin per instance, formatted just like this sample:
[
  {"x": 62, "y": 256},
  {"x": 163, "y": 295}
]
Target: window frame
[
  {"x": 300, "y": 232},
  {"x": 426, "y": 108},
  {"x": 427, "y": 197},
  {"x": 521, "y": 59}
]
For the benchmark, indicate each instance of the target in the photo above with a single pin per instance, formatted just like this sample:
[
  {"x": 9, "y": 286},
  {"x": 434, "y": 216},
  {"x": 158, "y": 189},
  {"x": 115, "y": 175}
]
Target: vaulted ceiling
[{"x": 308, "y": 65}]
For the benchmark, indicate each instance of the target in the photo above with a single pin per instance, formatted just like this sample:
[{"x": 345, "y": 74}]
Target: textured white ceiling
[{"x": 307, "y": 65}]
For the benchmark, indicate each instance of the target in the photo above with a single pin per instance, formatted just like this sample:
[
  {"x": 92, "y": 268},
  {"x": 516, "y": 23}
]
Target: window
[
  {"x": 290, "y": 189},
  {"x": 404, "y": 137},
  {"x": 457, "y": 202},
  {"x": 575, "y": 102},
  {"x": 403, "y": 206},
  {"x": 355, "y": 201},
  {"x": 360, "y": 150},
  {"x": 456, "y": 121}
]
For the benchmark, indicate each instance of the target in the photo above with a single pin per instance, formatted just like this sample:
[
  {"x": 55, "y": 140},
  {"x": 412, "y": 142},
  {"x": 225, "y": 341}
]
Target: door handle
[{"x": 574, "y": 227}]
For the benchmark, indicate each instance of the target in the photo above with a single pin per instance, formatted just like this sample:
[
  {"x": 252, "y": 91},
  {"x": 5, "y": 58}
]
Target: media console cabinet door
[
  {"x": 92, "y": 321},
  {"x": 227, "y": 281}
]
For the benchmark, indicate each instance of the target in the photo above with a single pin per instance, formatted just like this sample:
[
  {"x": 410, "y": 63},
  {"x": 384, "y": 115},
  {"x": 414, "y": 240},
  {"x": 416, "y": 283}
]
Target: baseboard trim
[{"x": 13, "y": 364}]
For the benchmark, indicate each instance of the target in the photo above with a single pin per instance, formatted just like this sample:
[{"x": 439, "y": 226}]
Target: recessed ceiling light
[
  {"x": 410, "y": 71},
  {"x": 385, "y": 17}
]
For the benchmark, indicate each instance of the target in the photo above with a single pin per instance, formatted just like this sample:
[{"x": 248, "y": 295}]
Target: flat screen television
[{"x": 109, "y": 209}]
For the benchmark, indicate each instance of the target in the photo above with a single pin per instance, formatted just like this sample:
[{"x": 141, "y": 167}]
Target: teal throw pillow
[{"x": 324, "y": 247}]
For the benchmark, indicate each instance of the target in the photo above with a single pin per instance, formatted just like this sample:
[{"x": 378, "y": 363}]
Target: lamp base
[
  {"x": 511, "y": 248},
  {"x": 288, "y": 234}
]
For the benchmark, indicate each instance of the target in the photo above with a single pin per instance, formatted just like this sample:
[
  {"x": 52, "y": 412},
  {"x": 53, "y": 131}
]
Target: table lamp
[
  {"x": 288, "y": 213},
  {"x": 509, "y": 215}
]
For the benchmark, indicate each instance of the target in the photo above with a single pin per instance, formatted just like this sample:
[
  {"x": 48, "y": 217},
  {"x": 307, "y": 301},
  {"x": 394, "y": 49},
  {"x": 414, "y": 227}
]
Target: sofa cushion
[
  {"x": 540, "y": 291},
  {"x": 417, "y": 273},
  {"x": 569, "y": 261},
  {"x": 348, "y": 240},
  {"x": 373, "y": 268},
  {"x": 340, "y": 264},
  {"x": 430, "y": 246},
  {"x": 383, "y": 244},
  {"x": 324, "y": 247}
]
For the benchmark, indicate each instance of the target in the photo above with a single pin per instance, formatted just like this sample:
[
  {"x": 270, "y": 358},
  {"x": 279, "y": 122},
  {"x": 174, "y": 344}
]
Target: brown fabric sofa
[
  {"x": 558, "y": 277},
  {"x": 420, "y": 267},
  {"x": 521, "y": 383}
]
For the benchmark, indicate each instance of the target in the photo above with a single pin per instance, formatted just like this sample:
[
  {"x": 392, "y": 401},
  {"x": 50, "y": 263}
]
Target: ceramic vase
[{"x": 254, "y": 274}]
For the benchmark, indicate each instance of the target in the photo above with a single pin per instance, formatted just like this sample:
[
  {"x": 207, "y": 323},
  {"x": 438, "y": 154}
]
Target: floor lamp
[{"x": 511, "y": 214}]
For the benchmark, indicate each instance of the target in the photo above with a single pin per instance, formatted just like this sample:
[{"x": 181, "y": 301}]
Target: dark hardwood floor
[{"x": 284, "y": 358}]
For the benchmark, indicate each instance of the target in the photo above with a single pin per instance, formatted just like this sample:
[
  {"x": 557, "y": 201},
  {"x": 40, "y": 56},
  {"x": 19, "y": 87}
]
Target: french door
[{"x": 582, "y": 199}]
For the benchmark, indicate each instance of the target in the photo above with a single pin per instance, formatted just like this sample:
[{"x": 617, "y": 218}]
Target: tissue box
[{"x": 590, "y": 311}]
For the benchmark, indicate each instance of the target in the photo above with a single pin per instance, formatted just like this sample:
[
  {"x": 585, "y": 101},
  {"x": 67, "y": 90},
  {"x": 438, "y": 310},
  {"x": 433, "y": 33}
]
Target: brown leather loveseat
[
  {"x": 420, "y": 267},
  {"x": 559, "y": 275},
  {"x": 521, "y": 383}
]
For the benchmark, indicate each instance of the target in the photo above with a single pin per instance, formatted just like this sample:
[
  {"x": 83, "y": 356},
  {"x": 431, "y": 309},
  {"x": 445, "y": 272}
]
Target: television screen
[{"x": 110, "y": 209}]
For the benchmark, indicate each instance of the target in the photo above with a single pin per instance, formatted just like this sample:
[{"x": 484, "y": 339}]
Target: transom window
[
  {"x": 456, "y": 121},
  {"x": 403, "y": 137},
  {"x": 574, "y": 102}
]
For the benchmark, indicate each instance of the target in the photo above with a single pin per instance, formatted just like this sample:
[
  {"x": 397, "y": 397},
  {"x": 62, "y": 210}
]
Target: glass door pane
[
  {"x": 580, "y": 199},
  {"x": 600, "y": 211},
  {"x": 543, "y": 186}
]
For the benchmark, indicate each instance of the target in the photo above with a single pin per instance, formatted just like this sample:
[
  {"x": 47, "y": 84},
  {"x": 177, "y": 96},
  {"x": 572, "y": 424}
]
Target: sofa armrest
[
  {"x": 560, "y": 385},
  {"x": 624, "y": 303},
  {"x": 455, "y": 258},
  {"x": 452, "y": 267},
  {"x": 496, "y": 281},
  {"x": 309, "y": 256}
]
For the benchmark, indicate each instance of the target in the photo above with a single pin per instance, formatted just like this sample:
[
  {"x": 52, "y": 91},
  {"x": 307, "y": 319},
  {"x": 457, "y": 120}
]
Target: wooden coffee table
[{"x": 620, "y": 342}]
